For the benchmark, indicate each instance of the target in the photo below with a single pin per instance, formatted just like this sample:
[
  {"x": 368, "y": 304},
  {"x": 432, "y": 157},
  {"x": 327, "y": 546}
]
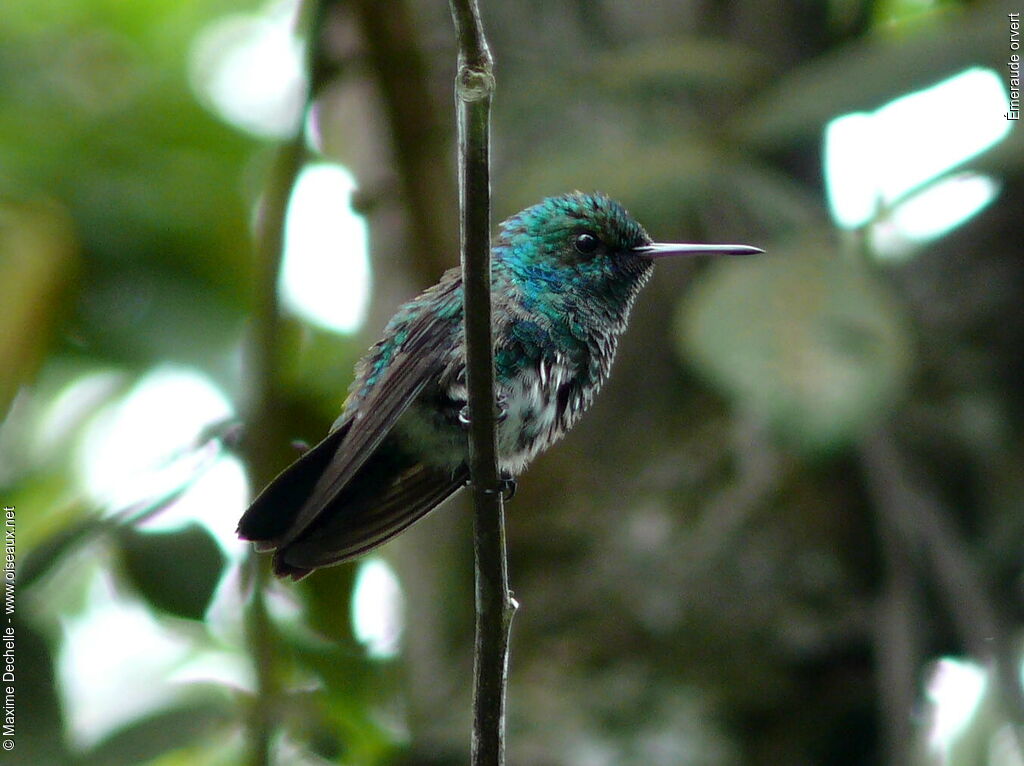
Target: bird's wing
[{"x": 417, "y": 362}]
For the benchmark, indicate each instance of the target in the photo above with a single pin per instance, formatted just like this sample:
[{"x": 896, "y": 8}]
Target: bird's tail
[{"x": 387, "y": 494}]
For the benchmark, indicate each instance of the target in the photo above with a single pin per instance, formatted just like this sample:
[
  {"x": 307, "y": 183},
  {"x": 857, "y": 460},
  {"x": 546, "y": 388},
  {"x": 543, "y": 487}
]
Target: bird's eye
[{"x": 586, "y": 243}]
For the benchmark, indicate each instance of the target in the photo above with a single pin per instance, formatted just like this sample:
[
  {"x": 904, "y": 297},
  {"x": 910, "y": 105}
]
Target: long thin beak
[{"x": 665, "y": 249}]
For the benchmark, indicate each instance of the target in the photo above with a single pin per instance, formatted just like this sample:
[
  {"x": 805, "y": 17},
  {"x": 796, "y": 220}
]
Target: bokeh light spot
[
  {"x": 955, "y": 690},
  {"x": 248, "y": 69},
  {"x": 934, "y": 211},
  {"x": 876, "y": 163},
  {"x": 145, "y": 445},
  {"x": 325, "y": 277},
  {"x": 377, "y": 609},
  {"x": 113, "y": 663}
]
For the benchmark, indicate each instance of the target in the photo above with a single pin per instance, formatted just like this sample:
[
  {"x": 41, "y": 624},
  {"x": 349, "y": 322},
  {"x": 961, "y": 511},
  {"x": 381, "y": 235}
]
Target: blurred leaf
[
  {"x": 98, "y": 113},
  {"x": 54, "y": 549},
  {"x": 151, "y": 736},
  {"x": 804, "y": 338},
  {"x": 346, "y": 717},
  {"x": 870, "y": 72},
  {"x": 174, "y": 571},
  {"x": 318, "y": 364},
  {"x": 142, "y": 316},
  {"x": 671, "y": 63},
  {"x": 43, "y": 507},
  {"x": 328, "y": 599},
  {"x": 664, "y": 178},
  {"x": 778, "y": 204},
  {"x": 81, "y": 524},
  {"x": 38, "y": 262}
]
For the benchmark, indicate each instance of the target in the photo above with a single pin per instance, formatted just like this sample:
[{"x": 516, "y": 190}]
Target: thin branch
[
  {"x": 418, "y": 136},
  {"x": 474, "y": 85},
  {"x": 759, "y": 472},
  {"x": 925, "y": 529},
  {"x": 897, "y": 632},
  {"x": 266, "y": 428}
]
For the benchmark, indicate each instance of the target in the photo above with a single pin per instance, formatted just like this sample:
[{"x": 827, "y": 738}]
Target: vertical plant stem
[
  {"x": 474, "y": 86},
  {"x": 923, "y": 528},
  {"x": 400, "y": 66},
  {"x": 265, "y": 425}
]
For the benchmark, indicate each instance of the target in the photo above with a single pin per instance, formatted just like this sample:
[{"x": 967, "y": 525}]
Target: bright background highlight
[{"x": 887, "y": 168}]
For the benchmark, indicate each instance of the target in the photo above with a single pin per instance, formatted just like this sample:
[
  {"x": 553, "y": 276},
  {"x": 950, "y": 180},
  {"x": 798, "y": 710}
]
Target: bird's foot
[
  {"x": 300, "y": 446},
  {"x": 507, "y": 486},
  {"x": 500, "y": 412}
]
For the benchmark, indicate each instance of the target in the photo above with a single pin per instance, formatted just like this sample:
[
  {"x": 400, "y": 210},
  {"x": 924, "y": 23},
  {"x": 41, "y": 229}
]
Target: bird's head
[{"x": 586, "y": 238}]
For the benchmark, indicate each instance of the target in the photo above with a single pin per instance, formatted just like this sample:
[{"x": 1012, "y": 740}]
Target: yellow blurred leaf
[{"x": 38, "y": 263}]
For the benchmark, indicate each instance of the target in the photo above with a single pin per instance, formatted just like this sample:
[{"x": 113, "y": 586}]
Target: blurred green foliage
[
  {"x": 811, "y": 343},
  {"x": 712, "y": 567}
]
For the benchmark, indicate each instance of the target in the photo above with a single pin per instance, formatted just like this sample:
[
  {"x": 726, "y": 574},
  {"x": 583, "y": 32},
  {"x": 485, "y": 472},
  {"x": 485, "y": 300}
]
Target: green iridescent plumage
[{"x": 564, "y": 276}]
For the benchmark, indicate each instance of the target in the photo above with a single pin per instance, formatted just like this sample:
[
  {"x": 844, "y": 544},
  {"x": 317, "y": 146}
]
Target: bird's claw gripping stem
[
  {"x": 500, "y": 412},
  {"x": 506, "y": 486}
]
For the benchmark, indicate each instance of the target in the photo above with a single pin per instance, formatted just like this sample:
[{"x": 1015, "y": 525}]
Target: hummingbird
[{"x": 564, "y": 275}]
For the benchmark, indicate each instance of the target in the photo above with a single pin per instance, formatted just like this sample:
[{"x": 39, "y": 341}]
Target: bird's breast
[{"x": 539, "y": 405}]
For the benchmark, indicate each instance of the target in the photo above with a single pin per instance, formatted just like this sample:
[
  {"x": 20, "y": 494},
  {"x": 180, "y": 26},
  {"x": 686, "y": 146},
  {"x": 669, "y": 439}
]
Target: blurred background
[{"x": 789, "y": 531}]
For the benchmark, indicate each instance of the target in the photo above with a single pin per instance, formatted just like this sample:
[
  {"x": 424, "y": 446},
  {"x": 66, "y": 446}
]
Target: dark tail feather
[
  {"x": 384, "y": 498},
  {"x": 271, "y": 514},
  {"x": 389, "y": 492}
]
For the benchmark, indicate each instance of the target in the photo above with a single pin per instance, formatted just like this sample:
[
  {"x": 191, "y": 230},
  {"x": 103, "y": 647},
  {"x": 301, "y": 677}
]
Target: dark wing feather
[{"x": 418, "y": 362}]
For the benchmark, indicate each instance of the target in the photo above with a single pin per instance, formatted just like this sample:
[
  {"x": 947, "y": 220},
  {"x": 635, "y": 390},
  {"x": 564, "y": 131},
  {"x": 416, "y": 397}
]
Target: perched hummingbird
[{"x": 564, "y": 276}]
